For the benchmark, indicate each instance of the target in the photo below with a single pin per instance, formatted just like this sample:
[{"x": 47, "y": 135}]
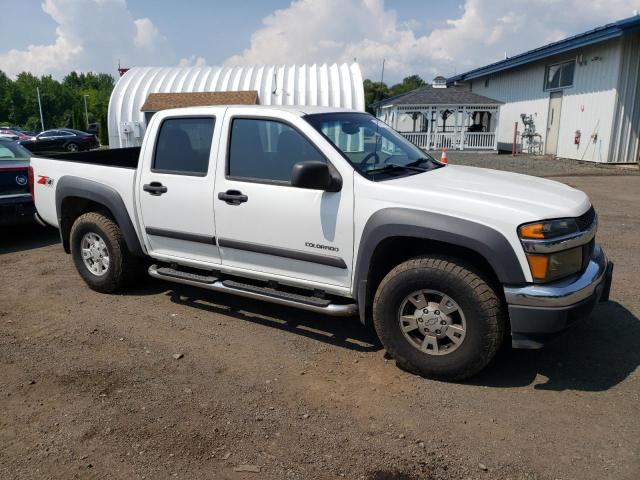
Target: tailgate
[{"x": 14, "y": 181}]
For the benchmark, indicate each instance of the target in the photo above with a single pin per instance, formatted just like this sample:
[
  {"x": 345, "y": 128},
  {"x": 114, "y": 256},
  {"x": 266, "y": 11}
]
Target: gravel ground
[
  {"x": 168, "y": 381},
  {"x": 541, "y": 166}
]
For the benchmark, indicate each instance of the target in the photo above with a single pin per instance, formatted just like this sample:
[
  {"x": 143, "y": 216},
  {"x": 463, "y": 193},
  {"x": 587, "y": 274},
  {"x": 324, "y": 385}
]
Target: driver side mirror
[{"x": 315, "y": 175}]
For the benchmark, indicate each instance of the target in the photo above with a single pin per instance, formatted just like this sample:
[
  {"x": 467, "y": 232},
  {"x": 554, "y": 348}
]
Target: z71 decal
[{"x": 43, "y": 180}]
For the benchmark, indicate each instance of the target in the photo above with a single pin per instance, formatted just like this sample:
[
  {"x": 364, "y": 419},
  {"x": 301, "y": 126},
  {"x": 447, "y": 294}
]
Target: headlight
[
  {"x": 548, "y": 252},
  {"x": 549, "y": 229}
]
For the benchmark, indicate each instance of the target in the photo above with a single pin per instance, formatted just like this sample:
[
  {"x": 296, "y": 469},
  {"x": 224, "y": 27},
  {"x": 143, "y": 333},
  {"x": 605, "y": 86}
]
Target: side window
[
  {"x": 183, "y": 146},
  {"x": 267, "y": 150}
]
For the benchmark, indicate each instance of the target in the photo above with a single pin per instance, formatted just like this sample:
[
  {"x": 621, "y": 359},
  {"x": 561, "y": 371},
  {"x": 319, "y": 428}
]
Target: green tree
[
  {"x": 62, "y": 101},
  {"x": 374, "y": 92},
  {"x": 408, "y": 83}
]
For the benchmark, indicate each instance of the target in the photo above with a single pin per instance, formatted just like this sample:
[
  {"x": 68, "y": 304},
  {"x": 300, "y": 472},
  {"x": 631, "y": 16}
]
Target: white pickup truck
[{"x": 334, "y": 212}]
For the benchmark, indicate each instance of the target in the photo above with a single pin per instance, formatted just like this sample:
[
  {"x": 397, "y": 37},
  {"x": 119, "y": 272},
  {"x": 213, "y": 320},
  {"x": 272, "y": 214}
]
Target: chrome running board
[{"x": 302, "y": 302}]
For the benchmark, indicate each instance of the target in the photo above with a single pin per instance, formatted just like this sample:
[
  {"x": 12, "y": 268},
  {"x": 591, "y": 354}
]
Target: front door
[
  {"x": 553, "y": 122},
  {"x": 175, "y": 189},
  {"x": 266, "y": 226}
]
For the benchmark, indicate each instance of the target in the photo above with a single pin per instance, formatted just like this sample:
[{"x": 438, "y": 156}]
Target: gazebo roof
[{"x": 427, "y": 95}]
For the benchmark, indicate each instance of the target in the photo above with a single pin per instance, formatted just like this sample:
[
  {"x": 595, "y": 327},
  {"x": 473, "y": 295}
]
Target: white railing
[
  {"x": 452, "y": 140},
  {"x": 479, "y": 140},
  {"x": 445, "y": 140},
  {"x": 421, "y": 140}
]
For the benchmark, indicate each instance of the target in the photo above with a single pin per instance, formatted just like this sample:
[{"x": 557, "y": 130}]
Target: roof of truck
[{"x": 295, "y": 109}]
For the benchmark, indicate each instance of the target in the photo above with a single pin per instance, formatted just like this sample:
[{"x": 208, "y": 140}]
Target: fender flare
[
  {"x": 70, "y": 186},
  {"x": 404, "y": 222}
]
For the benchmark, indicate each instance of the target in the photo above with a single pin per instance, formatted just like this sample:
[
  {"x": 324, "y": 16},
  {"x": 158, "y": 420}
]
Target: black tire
[
  {"x": 123, "y": 267},
  {"x": 481, "y": 306},
  {"x": 72, "y": 147}
]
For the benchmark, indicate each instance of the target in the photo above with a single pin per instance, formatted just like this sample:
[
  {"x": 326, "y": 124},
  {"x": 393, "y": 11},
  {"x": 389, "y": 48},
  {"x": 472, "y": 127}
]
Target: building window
[{"x": 559, "y": 75}]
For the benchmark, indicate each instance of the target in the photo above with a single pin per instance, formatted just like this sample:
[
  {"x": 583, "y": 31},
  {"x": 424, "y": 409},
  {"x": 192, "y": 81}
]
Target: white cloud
[
  {"x": 147, "y": 34},
  {"x": 341, "y": 30},
  {"x": 192, "y": 61},
  {"x": 91, "y": 35}
]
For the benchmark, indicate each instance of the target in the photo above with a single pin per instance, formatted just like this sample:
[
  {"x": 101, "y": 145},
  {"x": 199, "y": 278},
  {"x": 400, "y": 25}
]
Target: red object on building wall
[{"x": 576, "y": 137}]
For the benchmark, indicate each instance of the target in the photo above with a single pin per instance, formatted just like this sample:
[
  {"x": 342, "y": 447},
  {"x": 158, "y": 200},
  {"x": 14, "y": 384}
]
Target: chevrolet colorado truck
[{"x": 334, "y": 212}]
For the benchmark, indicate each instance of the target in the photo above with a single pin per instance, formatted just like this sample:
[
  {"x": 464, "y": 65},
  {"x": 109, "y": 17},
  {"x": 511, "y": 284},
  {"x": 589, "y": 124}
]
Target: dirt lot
[{"x": 89, "y": 387}]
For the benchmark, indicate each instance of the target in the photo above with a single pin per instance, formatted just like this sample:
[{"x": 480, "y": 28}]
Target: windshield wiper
[{"x": 390, "y": 166}]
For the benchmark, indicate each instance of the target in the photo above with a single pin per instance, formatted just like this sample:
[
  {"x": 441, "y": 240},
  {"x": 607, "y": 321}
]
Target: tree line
[{"x": 62, "y": 101}]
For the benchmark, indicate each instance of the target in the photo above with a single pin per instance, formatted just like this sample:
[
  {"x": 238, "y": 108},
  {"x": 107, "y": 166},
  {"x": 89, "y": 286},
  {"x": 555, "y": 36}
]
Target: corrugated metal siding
[
  {"x": 309, "y": 85},
  {"x": 588, "y": 106},
  {"x": 625, "y": 144},
  {"x": 521, "y": 90}
]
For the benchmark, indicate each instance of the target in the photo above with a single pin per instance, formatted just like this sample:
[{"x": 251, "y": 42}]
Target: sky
[{"x": 424, "y": 37}]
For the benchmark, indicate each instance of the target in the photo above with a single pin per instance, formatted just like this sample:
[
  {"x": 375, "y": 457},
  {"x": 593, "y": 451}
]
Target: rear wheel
[
  {"x": 72, "y": 147},
  {"x": 100, "y": 253},
  {"x": 438, "y": 318}
]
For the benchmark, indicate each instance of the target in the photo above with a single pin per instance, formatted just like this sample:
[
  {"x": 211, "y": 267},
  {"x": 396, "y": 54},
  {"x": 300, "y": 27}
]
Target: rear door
[{"x": 175, "y": 186}]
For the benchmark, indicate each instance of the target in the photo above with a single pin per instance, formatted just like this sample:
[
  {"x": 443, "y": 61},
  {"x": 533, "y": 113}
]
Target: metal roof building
[
  {"x": 309, "y": 85},
  {"x": 582, "y": 93}
]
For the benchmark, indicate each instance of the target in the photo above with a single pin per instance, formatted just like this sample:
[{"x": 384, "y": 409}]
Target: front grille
[{"x": 585, "y": 220}]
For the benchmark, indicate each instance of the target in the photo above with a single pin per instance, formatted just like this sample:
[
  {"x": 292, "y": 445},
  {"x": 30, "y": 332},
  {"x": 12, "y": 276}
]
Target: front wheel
[
  {"x": 100, "y": 253},
  {"x": 438, "y": 318}
]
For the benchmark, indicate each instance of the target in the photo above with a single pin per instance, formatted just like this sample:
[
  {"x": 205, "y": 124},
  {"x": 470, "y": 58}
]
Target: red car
[{"x": 14, "y": 134}]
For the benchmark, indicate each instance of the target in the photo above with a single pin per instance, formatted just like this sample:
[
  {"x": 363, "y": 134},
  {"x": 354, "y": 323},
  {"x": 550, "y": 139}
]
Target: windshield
[
  {"x": 371, "y": 146},
  {"x": 13, "y": 151}
]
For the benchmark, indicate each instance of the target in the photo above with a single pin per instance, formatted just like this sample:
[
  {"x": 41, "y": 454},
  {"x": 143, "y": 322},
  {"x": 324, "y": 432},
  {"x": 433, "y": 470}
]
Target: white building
[
  {"x": 582, "y": 92},
  {"x": 311, "y": 85}
]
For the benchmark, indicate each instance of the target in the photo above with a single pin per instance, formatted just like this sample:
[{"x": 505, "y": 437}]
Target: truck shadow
[
  {"x": 26, "y": 237},
  {"x": 341, "y": 332},
  {"x": 595, "y": 355}
]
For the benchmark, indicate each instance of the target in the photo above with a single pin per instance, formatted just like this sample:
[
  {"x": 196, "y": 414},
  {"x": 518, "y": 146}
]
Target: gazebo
[{"x": 441, "y": 116}]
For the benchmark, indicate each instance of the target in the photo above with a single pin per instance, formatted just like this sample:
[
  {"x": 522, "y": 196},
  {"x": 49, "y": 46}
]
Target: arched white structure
[{"x": 316, "y": 85}]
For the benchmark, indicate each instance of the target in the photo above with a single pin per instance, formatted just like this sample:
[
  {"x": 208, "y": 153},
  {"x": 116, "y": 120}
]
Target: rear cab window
[
  {"x": 265, "y": 150},
  {"x": 183, "y": 146}
]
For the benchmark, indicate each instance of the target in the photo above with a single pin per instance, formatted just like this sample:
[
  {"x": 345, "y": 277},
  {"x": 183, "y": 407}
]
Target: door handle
[
  {"x": 155, "y": 188},
  {"x": 233, "y": 197}
]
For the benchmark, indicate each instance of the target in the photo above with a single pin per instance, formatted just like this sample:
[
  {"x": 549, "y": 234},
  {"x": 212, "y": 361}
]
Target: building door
[{"x": 553, "y": 122}]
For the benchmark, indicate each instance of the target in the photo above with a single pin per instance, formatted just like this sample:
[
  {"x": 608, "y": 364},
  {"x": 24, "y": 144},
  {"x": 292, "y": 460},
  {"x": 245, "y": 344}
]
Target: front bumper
[{"x": 539, "y": 312}]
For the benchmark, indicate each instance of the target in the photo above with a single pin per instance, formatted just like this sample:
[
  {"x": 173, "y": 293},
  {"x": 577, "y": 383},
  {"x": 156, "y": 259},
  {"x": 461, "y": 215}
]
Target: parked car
[
  {"x": 62, "y": 140},
  {"x": 334, "y": 212},
  {"x": 15, "y": 134},
  {"x": 16, "y": 203}
]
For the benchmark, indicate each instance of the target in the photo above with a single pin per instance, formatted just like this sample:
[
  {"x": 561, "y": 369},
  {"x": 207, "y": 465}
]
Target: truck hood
[{"x": 532, "y": 197}]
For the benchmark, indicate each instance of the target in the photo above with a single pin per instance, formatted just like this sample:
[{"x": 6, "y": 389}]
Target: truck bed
[{"x": 116, "y": 157}]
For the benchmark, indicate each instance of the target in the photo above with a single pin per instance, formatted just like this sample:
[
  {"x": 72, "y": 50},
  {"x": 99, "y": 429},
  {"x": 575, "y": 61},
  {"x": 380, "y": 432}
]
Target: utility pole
[
  {"x": 40, "y": 106},
  {"x": 86, "y": 114}
]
